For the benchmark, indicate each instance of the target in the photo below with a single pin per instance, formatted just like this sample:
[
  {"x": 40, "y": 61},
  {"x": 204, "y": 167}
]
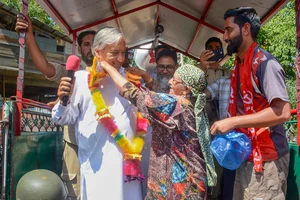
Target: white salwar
[{"x": 101, "y": 160}]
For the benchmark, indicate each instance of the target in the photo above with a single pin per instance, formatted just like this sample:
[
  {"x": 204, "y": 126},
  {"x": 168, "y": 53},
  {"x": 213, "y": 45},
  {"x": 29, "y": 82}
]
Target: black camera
[{"x": 219, "y": 54}]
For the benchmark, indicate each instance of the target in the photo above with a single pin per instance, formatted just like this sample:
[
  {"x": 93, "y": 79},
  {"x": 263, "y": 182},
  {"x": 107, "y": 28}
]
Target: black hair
[
  {"x": 83, "y": 34},
  {"x": 213, "y": 39},
  {"x": 167, "y": 52},
  {"x": 244, "y": 15},
  {"x": 161, "y": 46}
]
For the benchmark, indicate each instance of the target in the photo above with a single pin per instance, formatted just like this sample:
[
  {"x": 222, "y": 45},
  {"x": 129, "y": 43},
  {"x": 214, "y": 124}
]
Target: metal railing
[{"x": 291, "y": 130}]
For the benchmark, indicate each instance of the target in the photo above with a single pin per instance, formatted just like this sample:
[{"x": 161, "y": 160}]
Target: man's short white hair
[{"x": 105, "y": 36}]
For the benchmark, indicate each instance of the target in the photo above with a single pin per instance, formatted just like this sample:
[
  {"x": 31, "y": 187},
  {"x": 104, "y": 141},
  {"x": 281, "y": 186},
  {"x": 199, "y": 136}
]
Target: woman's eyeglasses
[{"x": 169, "y": 68}]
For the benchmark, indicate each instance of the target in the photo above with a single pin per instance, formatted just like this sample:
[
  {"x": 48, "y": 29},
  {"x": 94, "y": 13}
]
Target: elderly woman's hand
[
  {"x": 114, "y": 74},
  {"x": 106, "y": 66}
]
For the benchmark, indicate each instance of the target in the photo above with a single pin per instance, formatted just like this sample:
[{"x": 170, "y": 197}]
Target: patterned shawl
[{"x": 195, "y": 79}]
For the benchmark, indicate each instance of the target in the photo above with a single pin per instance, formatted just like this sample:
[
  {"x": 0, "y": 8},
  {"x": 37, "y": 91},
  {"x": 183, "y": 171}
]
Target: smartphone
[
  {"x": 218, "y": 55},
  {"x": 128, "y": 62}
]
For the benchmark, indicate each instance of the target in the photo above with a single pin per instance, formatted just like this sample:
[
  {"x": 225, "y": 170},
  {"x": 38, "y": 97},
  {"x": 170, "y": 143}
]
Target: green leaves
[
  {"x": 278, "y": 36},
  {"x": 291, "y": 88},
  {"x": 35, "y": 11}
]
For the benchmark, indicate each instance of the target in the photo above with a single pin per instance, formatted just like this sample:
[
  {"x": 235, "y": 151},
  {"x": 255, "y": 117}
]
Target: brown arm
[{"x": 24, "y": 23}]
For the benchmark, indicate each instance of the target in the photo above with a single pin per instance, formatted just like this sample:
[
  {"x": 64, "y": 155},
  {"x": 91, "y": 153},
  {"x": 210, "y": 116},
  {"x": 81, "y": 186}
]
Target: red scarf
[{"x": 251, "y": 104}]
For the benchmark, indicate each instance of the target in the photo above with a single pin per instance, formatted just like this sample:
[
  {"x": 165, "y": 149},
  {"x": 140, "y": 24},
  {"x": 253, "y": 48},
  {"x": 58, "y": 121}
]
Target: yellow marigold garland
[{"x": 131, "y": 149}]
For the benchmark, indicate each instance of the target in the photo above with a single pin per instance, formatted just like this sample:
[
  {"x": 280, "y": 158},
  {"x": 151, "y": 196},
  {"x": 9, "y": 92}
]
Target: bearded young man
[{"x": 256, "y": 109}]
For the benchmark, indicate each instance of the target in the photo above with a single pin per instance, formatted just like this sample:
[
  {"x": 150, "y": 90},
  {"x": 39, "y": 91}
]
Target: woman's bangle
[{"x": 149, "y": 81}]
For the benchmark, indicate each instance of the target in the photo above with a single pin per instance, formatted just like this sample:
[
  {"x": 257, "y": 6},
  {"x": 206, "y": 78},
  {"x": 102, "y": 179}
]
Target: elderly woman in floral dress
[{"x": 181, "y": 164}]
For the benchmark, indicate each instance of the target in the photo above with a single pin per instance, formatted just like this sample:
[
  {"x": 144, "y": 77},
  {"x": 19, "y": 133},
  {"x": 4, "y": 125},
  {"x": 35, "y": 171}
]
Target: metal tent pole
[{"x": 20, "y": 79}]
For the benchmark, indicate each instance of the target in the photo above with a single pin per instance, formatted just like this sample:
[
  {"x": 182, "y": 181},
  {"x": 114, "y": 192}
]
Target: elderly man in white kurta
[{"x": 101, "y": 160}]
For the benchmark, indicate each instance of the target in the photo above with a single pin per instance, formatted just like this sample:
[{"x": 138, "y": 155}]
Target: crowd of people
[{"x": 179, "y": 108}]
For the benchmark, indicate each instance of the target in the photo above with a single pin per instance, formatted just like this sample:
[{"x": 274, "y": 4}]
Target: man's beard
[
  {"x": 163, "y": 83},
  {"x": 88, "y": 58},
  {"x": 234, "y": 44}
]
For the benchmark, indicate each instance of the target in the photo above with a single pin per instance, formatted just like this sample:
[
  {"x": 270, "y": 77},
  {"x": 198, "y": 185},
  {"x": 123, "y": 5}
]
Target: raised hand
[
  {"x": 23, "y": 23},
  {"x": 204, "y": 59}
]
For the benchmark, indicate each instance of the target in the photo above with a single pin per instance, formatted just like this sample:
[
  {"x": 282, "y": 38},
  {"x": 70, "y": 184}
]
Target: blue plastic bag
[{"x": 231, "y": 149}]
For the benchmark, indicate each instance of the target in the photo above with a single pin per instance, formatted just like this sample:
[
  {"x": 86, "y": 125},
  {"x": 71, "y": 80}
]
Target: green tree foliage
[
  {"x": 291, "y": 88},
  {"x": 187, "y": 60},
  {"x": 35, "y": 11},
  {"x": 278, "y": 36}
]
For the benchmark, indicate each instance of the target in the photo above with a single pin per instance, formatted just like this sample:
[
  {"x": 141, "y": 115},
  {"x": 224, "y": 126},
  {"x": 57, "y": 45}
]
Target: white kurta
[{"x": 101, "y": 160}]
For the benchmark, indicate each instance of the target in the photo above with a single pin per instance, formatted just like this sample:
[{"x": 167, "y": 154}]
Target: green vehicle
[
  {"x": 31, "y": 141},
  {"x": 38, "y": 146}
]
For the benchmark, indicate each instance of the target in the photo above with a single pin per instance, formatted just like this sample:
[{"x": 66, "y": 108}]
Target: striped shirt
[{"x": 220, "y": 90}]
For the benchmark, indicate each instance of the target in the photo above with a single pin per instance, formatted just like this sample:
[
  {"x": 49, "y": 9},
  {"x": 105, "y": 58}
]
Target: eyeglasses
[{"x": 169, "y": 68}]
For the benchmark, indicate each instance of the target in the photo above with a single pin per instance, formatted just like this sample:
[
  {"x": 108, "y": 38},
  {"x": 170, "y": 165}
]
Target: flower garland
[{"x": 131, "y": 149}]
